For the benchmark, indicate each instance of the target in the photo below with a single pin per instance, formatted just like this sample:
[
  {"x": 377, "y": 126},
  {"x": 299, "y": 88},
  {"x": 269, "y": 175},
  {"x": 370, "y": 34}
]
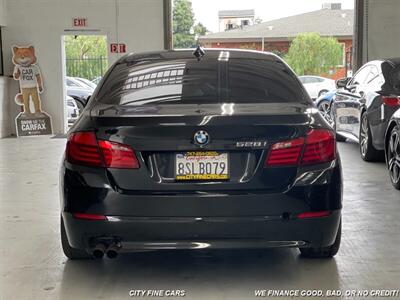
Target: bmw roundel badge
[{"x": 201, "y": 138}]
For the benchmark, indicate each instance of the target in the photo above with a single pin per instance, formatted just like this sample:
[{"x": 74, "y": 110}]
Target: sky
[{"x": 206, "y": 11}]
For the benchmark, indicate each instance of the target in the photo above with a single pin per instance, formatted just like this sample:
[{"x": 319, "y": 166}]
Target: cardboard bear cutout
[{"x": 30, "y": 121}]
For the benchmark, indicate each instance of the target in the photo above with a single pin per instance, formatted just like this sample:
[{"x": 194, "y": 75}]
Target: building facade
[
  {"x": 233, "y": 19},
  {"x": 276, "y": 35}
]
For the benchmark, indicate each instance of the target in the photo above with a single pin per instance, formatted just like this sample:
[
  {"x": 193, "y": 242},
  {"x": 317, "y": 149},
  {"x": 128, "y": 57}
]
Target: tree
[
  {"x": 311, "y": 54},
  {"x": 185, "y": 32},
  {"x": 183, "y": 21},
  {"x": 200, "y": 29},
  {"x": 86, "y": 56}
]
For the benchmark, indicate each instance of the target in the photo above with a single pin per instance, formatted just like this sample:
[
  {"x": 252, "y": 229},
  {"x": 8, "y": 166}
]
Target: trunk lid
[{"x": 158, "y": 133}]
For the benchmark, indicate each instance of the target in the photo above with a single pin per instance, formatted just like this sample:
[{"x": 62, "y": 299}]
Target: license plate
[{"x": 202, "y": 165}]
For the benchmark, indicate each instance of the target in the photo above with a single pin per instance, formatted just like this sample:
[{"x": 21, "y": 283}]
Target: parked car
[
  {"x": 73, "y": 82},
  {"x": 72, "y": 110},
  {"x": 87, "y": 82},
  {"x": 323, "y": 103},
  {"x": 392, "y": 148},
  {"x": 364, "y": 104},
  {"x": 316, "y": 85},
  {"x": 197, "y": 160},
  {"x": 78, "y": 91}
]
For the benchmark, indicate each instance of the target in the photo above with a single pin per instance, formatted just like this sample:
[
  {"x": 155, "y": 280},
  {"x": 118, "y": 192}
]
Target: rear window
[{"x": 207, "y": 81}]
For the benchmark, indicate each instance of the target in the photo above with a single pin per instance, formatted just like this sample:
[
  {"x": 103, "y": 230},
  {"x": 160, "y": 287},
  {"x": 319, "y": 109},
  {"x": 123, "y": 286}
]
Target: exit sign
[
  {"x": 117, "y": 48},
  {"x": 79, "y": 22}
]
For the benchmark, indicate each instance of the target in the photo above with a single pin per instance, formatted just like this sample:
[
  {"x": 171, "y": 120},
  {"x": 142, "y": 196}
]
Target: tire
[
  {"x": 340, "y": 138},
  {"x": 324, "y": 252},
  {"x": 71, "y": 253},
  {"x": 393, "y": 157},
  {"x": 321, "y": 92},
  {"x": 324, "y": 108},
  {"x": 367, "y": 150}
]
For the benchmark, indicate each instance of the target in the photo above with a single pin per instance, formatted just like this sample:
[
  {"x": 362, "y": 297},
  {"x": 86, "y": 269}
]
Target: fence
[{"x": 89, "y": 68}]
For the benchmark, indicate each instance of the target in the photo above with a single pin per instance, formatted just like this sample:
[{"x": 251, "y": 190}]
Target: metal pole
[
  {"x": 167, "y": 10},
  {"x": 358, "y": 36}
]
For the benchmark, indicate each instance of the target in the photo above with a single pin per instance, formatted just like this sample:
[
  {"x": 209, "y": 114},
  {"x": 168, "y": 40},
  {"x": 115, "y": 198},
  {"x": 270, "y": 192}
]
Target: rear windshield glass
[{"x": 207, "y": 81}]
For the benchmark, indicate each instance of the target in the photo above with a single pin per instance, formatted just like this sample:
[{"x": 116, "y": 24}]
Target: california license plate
[{"x": 202, "y": 165}]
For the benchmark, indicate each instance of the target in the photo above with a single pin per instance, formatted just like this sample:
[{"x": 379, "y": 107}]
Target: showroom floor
[{"x": 32, "y": 265}]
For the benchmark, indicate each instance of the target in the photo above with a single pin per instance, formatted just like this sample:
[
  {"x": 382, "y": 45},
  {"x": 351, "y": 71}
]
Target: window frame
[{"x": 1, "y": 55}]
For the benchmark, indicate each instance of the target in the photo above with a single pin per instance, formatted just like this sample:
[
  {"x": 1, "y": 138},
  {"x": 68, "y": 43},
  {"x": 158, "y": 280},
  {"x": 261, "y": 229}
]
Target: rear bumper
[
  {"x": 151, "y": 233},
  {"x": 203, "y": 216}
]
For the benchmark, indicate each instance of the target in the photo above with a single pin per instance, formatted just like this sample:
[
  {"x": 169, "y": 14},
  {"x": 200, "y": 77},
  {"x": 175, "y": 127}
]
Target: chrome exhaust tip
[
  {"x": 112, "y": 251},
  {"x": 98, "y": 251}
]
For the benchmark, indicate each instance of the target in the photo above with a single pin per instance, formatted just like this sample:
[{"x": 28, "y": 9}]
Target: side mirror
[{"x": 342, "y": 82}]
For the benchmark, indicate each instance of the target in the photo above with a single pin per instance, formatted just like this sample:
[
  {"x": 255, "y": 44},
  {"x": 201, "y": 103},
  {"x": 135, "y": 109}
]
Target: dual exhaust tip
[{"x": 111, "y": 251}]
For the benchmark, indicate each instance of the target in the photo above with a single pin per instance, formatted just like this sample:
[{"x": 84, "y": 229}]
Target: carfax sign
[{"x": 33, "y": 120}]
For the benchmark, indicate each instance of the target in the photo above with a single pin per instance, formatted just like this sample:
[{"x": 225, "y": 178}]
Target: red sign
[
  {"x": 79, "y": 22},
  {"x": 117, "y": 48}
]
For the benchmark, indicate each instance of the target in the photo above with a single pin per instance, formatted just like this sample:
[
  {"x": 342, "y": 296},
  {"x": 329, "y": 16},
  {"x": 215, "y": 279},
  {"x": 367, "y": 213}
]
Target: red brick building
[{"x": 276, "y": 35}]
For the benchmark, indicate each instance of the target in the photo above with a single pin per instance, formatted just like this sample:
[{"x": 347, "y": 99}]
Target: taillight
[
  {"x": 285, "y": 153},
  {"x": 391, "y": 100},
  {"x": 319, "y": 146},
  {"x": 83, "y": 148},
  {"x": 118, "y": 155}
]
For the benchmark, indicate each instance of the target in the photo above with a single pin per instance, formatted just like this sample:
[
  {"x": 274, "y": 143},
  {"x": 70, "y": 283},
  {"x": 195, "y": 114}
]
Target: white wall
[
  {"x": 2, "y": 12},
  {"x": 382, "y": 29},
  {"x": 4, "y": 107},
  {"x": 137, "y": 23}
]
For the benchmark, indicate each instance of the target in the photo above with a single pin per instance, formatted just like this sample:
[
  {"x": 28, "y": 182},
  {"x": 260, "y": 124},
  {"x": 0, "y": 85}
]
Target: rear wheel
[
  {"x": 393, "y": 157},
  {"x": 367, "y": 150},
  {"x": 71, "y": 253},
  {"x": 324, "y": 252}
]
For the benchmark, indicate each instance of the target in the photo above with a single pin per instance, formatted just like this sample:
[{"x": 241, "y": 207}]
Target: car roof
[{"x": 213, "y": 53}]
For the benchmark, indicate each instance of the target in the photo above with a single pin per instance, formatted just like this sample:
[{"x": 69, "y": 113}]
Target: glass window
[
  {"x": 71, "y": 83},
  {"x": 361, "y": 76},
  {"x": 374, "y": 72},
  {"x": 190, "y": 81}
]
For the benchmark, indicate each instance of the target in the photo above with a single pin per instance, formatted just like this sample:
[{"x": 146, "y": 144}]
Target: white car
[
  {"x": 72, "y": 109},
  {"x": 316, "y": 85},
  {"x": 86, "y": 82}
]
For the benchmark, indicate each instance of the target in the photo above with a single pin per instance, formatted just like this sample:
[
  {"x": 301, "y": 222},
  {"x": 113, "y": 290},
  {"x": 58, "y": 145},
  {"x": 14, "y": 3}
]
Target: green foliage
[
  {"x": 86, "y": 56},
  {"x": 311, "y": 54},
  {"x": 200, "y": 29},
  {"x": 185, "y": 31}
]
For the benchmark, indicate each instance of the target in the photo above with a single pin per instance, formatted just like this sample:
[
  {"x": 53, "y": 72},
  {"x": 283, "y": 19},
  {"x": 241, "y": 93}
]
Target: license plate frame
[{"x": 210, "y": 157}]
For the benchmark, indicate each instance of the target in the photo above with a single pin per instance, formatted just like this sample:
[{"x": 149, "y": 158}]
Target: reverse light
[
  {"x": 391, "y": 100},
  {"x": 319, "y": 146},
  {"x": 83, "y": 148}
]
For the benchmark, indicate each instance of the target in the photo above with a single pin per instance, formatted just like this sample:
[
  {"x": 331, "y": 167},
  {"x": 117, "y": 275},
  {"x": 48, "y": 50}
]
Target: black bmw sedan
[
  {"x": 205, "y": 149},
  {"x": 364, "y": 104}
]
